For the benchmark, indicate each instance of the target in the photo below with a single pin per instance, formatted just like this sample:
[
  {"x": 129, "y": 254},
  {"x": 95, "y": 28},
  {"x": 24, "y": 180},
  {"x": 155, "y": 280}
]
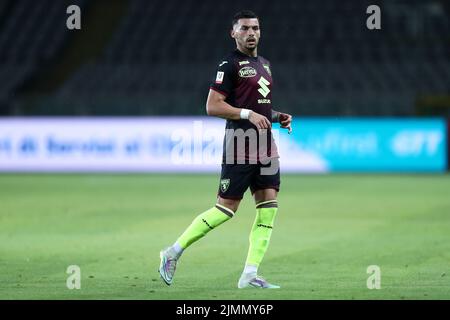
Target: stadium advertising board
[
  {"x": 392, "y": 145},
  {"x": 194, "y": 144}
]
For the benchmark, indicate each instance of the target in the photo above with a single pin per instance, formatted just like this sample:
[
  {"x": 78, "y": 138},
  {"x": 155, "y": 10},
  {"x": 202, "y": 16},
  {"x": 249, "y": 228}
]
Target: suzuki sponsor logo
[
  {"x": 264, "y": 89},
  {"x": 247, "y": 72}
]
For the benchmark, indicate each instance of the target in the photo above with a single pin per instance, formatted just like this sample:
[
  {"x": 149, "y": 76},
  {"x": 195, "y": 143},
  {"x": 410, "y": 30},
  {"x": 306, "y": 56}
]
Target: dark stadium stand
[
  {"x": 162, "y": 55},
  {"x": 32, "y": 33}
]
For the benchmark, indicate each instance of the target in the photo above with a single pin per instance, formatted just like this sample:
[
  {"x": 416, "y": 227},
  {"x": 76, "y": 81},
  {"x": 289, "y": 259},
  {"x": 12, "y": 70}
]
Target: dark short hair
[{"x": 244, "y": 14}]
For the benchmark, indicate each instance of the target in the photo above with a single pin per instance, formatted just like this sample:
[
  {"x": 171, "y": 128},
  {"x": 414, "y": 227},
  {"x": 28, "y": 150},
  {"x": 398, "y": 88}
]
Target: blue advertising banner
[
  {"x": 363, "y": 144},
  {"x": 194, "y": 144}
]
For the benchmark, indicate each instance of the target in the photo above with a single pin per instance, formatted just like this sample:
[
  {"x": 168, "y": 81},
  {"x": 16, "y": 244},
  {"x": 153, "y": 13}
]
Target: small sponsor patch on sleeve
[{"x": 219, "y": 77}]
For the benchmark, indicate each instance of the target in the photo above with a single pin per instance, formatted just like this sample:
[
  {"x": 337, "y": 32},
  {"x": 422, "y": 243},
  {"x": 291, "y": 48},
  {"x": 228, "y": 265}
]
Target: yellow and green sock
[
  {"x": 201, "y": 225},
  {"x": 260, "y": 234}
]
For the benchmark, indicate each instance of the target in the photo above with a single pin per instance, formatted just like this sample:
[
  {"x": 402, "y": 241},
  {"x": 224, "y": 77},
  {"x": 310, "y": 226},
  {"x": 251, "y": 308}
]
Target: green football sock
[
  {"x": 204, "y": 223},
  {"x": 261, "y": 231}
]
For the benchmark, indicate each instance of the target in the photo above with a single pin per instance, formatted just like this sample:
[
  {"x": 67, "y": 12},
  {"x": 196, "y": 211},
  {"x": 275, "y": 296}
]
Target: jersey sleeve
[{"x": 224, "y": 77}]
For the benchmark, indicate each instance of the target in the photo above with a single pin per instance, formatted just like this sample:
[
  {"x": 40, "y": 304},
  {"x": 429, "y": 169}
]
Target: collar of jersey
[{"x": 246, "y": 56}]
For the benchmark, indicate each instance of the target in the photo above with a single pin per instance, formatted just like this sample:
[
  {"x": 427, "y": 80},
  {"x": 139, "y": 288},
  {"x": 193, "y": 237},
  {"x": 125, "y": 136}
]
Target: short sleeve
[{"x": 223, "y": 79}]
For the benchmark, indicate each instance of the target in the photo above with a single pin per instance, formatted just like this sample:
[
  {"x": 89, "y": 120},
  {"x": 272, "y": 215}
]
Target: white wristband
[{"x": 245, "y": 113}]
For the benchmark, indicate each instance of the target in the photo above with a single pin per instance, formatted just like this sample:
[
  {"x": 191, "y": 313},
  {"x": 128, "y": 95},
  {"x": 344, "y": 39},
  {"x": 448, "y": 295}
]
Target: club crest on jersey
[
  {"x": 266, "y": 66},
  {"x": 219, "y": 77},
  {"x": 243, "y": 62},
  {"x": 224, "y": 184},
  {"x": 247, "y": 72}
]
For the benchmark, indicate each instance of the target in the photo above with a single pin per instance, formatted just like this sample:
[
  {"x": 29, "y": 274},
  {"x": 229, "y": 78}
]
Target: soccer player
[{"x": 241, "y": 92}]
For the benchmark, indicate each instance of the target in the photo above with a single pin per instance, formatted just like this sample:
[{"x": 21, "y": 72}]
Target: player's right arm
[{"x": 218, "y": 107}]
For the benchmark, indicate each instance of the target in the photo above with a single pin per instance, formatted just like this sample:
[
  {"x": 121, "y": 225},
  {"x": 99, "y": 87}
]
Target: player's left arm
[{"x": 284, "y": 119}]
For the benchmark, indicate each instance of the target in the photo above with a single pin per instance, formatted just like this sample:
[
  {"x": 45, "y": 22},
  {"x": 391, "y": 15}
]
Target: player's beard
[{"x": 251, "y": 46}]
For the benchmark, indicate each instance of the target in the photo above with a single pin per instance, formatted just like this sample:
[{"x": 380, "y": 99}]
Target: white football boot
[
  {"x": 254, "y": 281},
  {"x": 168, "y": 265}
]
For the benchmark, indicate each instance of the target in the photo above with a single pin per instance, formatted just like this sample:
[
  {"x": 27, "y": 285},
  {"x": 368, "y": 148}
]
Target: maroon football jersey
[{"x": 246, "y": 82}]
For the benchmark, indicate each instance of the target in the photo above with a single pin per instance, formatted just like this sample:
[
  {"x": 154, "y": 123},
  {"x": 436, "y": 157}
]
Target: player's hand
[
  {"x": 285, "y": 121},
  {"x": 260, "y": 121}
]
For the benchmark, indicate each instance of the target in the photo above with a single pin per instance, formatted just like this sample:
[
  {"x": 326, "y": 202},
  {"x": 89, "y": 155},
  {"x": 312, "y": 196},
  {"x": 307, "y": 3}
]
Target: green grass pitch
[{"x": 329, "y": 229}]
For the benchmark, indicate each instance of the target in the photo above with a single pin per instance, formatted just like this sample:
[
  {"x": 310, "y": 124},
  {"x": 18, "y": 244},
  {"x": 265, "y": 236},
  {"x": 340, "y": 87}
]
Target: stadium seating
[
  {"x": 162, "y": 55},
  {"x": 32, "y": 33}
]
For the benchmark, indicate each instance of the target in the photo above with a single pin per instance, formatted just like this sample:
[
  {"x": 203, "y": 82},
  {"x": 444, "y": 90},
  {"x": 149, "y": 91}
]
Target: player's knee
[
  {"x": 265, "y": 195},
  {"x": 232, "y": 204}
]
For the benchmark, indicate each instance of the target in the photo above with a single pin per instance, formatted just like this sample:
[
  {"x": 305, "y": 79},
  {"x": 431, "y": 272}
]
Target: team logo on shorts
[{"x": 224, "y": 184}]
